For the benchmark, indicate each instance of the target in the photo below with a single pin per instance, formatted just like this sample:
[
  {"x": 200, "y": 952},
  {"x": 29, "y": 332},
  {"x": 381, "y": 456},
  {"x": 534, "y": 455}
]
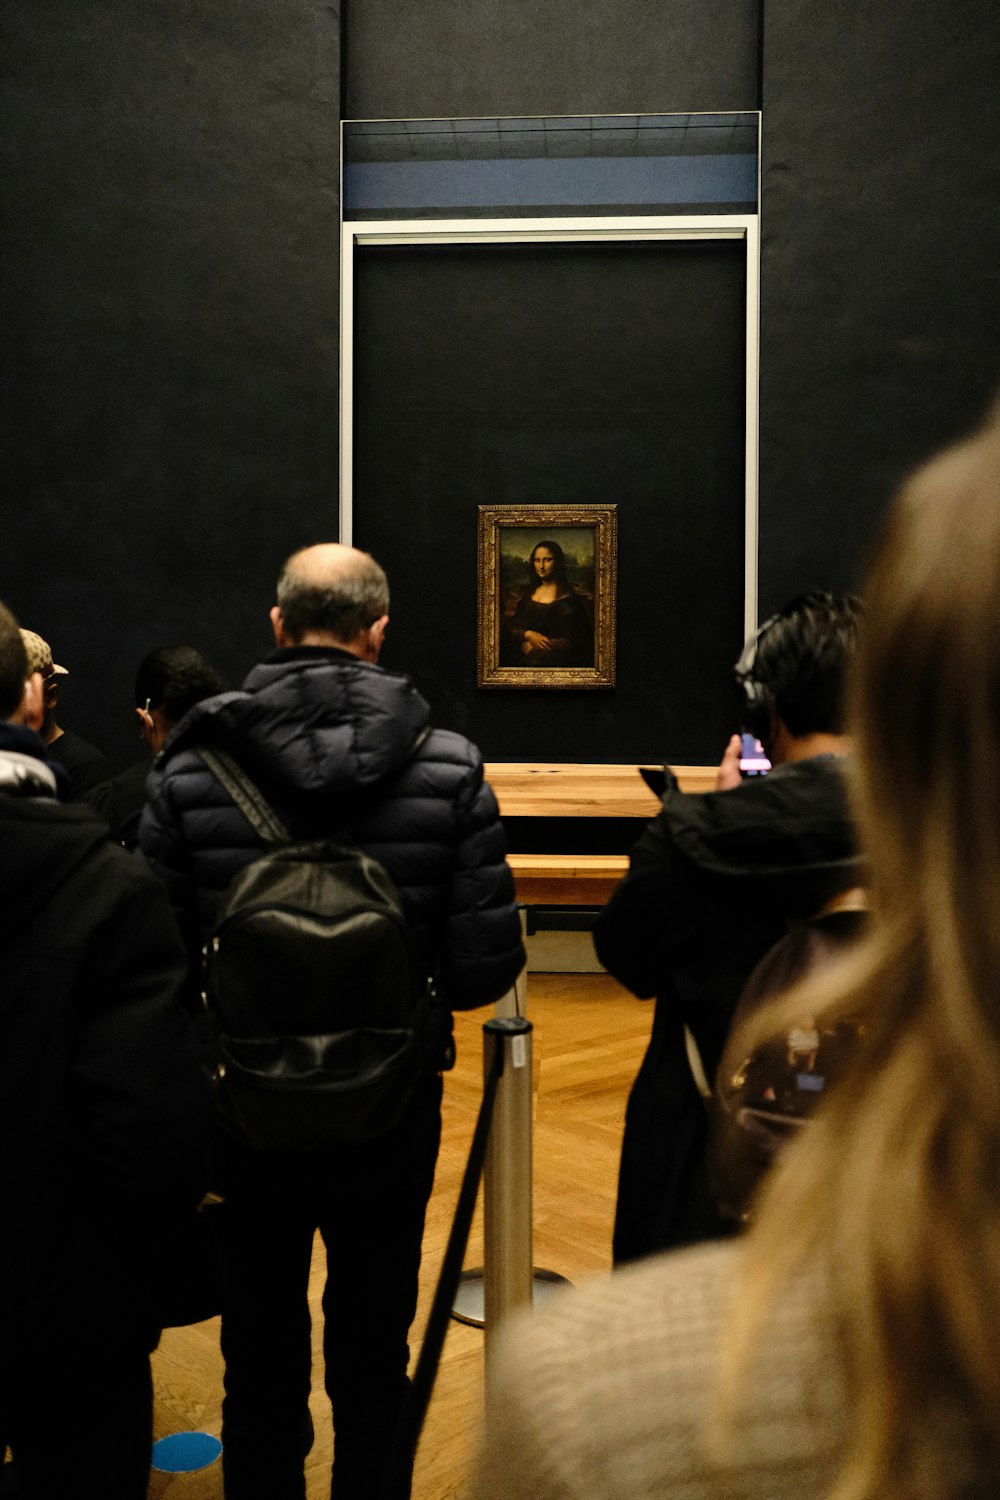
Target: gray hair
[{"x": 355, "y": 596}]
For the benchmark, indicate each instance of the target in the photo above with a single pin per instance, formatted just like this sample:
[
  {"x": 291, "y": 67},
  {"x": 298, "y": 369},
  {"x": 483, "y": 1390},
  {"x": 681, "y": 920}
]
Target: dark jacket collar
[
  {"x": 24, "y": 741},
  {"x": 310, "y": 653},
  {"x": 24, "y": 770}
]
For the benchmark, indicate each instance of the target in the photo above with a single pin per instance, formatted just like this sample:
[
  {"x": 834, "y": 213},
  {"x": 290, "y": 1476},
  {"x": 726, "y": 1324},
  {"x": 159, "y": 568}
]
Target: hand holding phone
[
  {"x": 753, "y": 757},
  {"x": 728, "y": 776}
]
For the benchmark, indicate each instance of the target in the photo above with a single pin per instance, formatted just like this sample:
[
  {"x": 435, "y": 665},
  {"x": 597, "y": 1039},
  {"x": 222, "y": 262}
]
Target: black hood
[
  {"x": 42, "y": 842},
  {"x": 312, "y": 721},
  {"x": 781, "y": 832}
]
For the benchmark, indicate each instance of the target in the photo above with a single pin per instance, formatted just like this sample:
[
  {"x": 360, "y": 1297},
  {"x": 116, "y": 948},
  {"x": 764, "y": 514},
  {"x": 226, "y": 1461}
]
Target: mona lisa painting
[{"x": 547, "y": 596}]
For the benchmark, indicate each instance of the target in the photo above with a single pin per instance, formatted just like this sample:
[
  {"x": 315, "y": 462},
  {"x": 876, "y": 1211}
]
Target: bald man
[{"x": 331, "y": 736}]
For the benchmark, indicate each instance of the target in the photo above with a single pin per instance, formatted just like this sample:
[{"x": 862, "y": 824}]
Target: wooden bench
[{"x": 570, "y": 790}]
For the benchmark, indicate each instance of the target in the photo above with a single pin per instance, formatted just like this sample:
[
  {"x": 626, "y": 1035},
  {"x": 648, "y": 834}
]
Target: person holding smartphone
[{"x": 712, "y": 884}]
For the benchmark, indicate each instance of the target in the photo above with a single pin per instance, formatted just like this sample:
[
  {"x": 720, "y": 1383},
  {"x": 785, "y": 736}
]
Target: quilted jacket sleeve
[{"x": 482, "y": 953}]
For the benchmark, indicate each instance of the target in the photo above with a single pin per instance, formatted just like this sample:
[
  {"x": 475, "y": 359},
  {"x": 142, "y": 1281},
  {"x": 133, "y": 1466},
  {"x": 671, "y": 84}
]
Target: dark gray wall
[
  {"x": 880, "y": 268},
  {"x": 407, "y": 59},
  {"x": 169, "y": 272},
  {"x": 170, "y": 221}
]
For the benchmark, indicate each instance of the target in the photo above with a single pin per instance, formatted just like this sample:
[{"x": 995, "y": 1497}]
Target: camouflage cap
[{"x": 39, "y": 655}]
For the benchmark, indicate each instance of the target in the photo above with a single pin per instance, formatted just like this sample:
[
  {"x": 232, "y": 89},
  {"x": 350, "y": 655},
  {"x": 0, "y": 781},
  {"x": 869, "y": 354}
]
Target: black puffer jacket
[{"x": 329, "y": 738}]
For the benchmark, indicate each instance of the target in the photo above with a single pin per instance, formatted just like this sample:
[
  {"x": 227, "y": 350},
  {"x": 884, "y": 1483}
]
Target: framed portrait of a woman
[{"x": 547, "y": 596}]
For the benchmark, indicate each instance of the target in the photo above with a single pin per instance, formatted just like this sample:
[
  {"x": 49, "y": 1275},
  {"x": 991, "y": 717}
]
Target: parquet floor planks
[{"x": 589, "y": 1036}]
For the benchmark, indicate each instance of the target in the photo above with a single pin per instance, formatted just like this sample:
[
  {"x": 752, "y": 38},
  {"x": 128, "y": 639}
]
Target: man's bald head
[{"x": 332, "y": 595}]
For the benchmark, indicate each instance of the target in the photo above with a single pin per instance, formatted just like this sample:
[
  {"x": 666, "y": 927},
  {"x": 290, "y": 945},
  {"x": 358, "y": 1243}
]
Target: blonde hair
[{"x": 896, "y": 1185}]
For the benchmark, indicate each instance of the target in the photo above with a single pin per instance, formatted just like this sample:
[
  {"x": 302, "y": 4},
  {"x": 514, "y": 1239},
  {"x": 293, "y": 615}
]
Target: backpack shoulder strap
[
  {"x": 696, "y": 1064},
  {"x": 246, "y": 794}
]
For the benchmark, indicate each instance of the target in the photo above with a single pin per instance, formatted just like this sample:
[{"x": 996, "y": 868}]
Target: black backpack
[
  {"x": 762, "y": 1099},
  {"x": 310, "y": 985}
]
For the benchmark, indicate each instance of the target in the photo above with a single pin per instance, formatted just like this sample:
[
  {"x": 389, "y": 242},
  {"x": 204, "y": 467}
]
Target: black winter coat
[
  {"x": 328, "y": 738},
  {"x": 104, "y": 1110},
  {"x": 713, "y": 883}
]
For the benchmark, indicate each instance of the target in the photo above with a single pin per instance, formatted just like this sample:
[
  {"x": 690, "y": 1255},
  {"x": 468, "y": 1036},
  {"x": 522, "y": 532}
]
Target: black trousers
[
  {"x": 368, "y": 1204},
  {"x": 95, "y": 1440}
]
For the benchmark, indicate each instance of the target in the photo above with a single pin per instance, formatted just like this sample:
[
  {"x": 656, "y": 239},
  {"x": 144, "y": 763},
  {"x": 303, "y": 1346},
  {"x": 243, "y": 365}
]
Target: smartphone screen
[{"x": 753, "y": 760}]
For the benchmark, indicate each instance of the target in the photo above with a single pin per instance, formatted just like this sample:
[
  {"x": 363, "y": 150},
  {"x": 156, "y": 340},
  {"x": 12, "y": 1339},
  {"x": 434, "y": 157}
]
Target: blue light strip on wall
[{"x": 395, "y": 187}]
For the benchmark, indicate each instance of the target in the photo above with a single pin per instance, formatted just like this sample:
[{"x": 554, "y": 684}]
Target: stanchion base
[{"x": 469, "y": 1303}]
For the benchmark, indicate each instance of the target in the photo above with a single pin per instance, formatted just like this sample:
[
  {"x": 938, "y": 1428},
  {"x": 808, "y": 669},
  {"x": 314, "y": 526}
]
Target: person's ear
[
  {"x": 147, "y": 728},
  {"x": 278, "y": 626},
  {"x": 376, "y": 637},
  {"x": 32, "y": 712},
  {"x": 779, "y": 739}
]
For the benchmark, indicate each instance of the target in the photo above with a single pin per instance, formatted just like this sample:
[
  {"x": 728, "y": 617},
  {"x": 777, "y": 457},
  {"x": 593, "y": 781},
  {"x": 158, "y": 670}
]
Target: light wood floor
[{"x": 589, "y": 1038}]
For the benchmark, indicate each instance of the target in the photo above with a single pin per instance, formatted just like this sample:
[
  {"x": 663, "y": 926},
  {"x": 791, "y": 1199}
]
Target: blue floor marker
[{"x": 183, "y": 1452}]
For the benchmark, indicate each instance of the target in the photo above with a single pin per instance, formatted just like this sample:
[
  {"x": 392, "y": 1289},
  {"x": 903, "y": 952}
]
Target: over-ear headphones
[{"x": 758, "y": 702}]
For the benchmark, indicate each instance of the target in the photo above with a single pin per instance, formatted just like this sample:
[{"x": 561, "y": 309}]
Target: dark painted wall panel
[
  {"x": 520, "y": 376},
  {"x": 881, "y": 265},
  {"x": 170, "y": 316},
  {"x": 169, "y": 272},
  {"x": 413, "y": 58}
]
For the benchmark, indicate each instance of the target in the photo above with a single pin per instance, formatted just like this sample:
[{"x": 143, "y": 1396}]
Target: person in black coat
[
  {"x": 330, "y": 736},
  {"x": 104, "y": 1118},
  {"x": 169, "y": 682},
  {"x": 712, "y": 885},
  {"x": 83, "y": 764}
]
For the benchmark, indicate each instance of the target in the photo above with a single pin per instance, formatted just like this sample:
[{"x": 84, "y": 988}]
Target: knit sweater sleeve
[
  {"x": 518, "y": 1456},
  {"x": 611, "y": 1393}
]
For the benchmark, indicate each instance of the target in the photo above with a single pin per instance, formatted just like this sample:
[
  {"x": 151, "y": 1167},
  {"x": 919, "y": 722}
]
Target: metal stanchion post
[
  {"x": 472, "y": 1300},
  {"x": 507, "y": 1262}
]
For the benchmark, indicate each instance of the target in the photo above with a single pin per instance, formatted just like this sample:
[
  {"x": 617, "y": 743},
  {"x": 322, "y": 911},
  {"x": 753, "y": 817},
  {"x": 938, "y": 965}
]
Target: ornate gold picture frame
[{"x": 547, "y": 596}]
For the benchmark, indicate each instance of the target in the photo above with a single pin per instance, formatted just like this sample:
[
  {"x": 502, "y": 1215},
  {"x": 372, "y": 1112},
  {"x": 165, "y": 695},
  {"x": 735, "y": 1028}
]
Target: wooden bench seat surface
[
  {"x": 566, "y": 879},
  {"x": 568, "y": 790}
]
